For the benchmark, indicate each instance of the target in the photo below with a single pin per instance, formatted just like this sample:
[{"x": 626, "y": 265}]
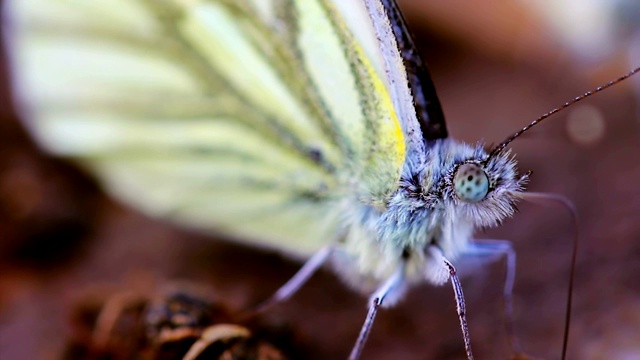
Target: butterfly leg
[
  {"x": 491, "y": 249},
  {"x": 436, "y": 253},
  {"x": 460, "y": 306},
  {"x": 295, "y": 283},
  {"x": 394, "y": 283}
]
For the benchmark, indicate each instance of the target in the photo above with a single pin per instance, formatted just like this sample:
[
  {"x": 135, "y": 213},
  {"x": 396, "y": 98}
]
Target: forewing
[
  {"x": 425, "y": 101},
  {"x": 250, "y": 117}
]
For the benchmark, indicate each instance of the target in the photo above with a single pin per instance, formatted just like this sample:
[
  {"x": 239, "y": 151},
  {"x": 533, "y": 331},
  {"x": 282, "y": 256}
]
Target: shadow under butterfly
[{"x": 389, "y": 239}]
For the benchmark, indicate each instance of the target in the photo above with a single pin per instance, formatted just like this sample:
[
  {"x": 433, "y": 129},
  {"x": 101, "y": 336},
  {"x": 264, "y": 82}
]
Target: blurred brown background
[{"x": 497, "y": 67}]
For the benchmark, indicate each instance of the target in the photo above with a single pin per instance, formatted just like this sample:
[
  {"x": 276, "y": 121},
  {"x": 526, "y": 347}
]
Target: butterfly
[{"x": 309, "y": 127}]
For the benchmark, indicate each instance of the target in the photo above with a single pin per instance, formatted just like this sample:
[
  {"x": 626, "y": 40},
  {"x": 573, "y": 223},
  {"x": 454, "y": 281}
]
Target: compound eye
[{"x": 471, "y": 183}]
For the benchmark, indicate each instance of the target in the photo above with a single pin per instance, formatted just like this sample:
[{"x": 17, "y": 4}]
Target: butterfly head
[{"x": 482, "y": 188}]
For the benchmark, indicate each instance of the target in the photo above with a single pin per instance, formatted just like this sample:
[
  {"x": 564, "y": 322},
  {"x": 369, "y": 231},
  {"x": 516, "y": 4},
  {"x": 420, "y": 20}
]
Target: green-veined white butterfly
[{"x": 308, "y": 158}]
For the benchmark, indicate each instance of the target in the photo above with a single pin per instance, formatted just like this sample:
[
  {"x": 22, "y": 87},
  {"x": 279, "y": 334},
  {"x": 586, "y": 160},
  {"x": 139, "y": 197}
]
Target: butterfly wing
[
  {"x": 428, "y": 110},
  {"x": 251, "y": 117}
]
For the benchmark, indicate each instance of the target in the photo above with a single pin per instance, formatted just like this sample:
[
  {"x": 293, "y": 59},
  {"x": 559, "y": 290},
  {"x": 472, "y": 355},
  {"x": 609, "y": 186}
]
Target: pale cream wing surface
[{"x": 251, "y": 117}]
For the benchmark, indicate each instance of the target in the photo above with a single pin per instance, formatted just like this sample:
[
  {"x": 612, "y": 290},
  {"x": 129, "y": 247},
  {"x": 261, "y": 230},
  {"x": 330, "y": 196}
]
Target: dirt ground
[{"x": 61, "y": 237}]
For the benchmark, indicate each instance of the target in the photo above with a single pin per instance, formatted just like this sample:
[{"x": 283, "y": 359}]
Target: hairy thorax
[{"x": 424, "y": 220}]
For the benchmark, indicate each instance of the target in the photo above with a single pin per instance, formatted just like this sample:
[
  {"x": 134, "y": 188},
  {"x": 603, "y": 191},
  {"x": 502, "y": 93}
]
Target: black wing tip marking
[{"x": 428, "y": 109}]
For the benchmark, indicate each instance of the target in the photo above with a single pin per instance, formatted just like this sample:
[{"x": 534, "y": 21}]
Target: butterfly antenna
[{"x": 535, "y": 122}]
